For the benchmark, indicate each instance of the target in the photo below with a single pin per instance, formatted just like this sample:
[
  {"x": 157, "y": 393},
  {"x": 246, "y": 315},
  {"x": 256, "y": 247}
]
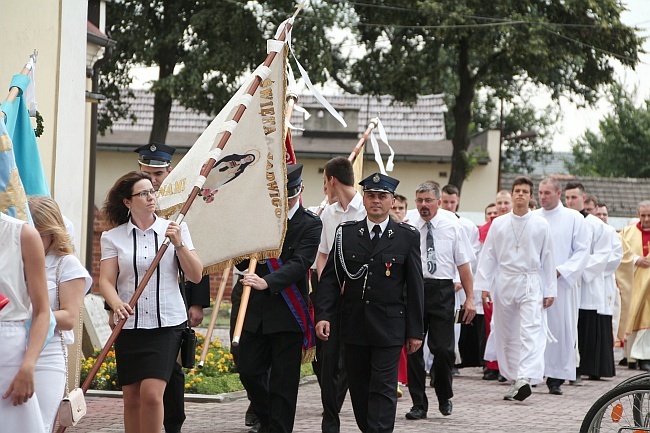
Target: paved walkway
[{"x": 478, "y": 408}]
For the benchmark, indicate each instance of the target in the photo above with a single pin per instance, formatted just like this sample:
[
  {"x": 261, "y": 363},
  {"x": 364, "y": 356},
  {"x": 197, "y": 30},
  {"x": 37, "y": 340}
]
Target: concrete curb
[{"x": 226, "y": 397}]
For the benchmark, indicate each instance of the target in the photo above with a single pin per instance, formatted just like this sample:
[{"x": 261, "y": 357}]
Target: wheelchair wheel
[{"x": 624, "y": 409}]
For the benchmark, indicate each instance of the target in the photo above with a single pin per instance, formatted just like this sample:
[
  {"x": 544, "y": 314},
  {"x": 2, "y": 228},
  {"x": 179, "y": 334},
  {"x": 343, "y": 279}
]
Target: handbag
[
  {"x": 188, "y": 348},
  {"x": 73, "y": 405}
]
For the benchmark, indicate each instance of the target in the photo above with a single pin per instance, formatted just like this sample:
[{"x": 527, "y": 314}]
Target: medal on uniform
[{"x": 388, "y": 265}]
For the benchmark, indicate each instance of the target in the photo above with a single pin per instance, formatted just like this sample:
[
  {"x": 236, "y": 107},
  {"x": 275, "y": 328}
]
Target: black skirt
[{"x": 147, "y": 353}]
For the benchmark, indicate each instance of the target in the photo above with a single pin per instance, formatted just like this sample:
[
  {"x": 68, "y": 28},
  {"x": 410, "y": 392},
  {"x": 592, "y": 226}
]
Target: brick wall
[{"x": 100, "y": 225}]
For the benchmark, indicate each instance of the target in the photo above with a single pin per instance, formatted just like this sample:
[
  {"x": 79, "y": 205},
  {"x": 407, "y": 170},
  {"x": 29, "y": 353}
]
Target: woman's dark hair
[{"x": 114, "y": 208}]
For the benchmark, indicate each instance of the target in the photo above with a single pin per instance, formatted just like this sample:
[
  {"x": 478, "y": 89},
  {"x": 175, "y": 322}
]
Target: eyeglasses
[{"x": 144, "y": 194}]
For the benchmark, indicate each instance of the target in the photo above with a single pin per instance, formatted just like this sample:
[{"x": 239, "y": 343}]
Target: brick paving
[{"x": 478, "y": 408}]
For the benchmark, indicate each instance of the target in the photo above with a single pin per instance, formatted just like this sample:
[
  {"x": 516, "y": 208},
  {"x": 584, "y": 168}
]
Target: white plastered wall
[{"x": 57, "y": 29}]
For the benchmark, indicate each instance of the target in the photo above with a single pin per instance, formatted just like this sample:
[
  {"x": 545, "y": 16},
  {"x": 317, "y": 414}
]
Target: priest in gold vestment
[{"x": 633, "y": 276}]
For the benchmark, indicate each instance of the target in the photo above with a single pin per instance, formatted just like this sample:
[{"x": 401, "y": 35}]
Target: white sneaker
[
  {"x": 510, "y": 395},
  {"x": 523, "y": 389}
]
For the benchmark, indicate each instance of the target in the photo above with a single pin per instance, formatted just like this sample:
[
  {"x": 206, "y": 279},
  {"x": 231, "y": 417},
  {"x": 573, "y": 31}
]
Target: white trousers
[
  {"x": 49, "y": 378},
  {"x": 25, "y": 417},
  {"x": 519, "y": 334}
]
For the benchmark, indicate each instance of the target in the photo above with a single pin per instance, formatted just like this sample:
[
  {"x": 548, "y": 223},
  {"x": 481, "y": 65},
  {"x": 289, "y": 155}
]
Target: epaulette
[
  {"x": 348, "y": 223},
  {"x": 407, "y": 226},
  {"x": 310, "y": 213}
]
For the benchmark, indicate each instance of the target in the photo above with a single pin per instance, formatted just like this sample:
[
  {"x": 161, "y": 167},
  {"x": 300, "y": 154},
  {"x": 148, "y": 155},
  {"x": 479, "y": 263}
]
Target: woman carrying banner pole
[{"x": 147, "y": 348}]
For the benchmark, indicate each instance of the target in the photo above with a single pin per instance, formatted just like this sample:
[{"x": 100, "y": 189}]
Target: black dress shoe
[
  {"x": 258, "y": 428},
  {"x": 250, "y": 419},
  {"x": 623, "y": 362},
  {"x": 593, "y": 377},
  {"x": 555, "y": 390},
  {"x": 644, "y": 365},
  {"x": 491, "y": 375},
  {"x": 631, "y": 365},
  {"x": 502, "y": 379},
  {"x": 416, "y": 413},
  {"x": 445, "y": 407}
]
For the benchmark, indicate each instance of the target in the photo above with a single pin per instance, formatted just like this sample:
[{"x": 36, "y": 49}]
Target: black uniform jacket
[
  {"x": 198, "y": 293},
  {"x": 391, "y": 307},
  {"x": 267, "y": 308}
]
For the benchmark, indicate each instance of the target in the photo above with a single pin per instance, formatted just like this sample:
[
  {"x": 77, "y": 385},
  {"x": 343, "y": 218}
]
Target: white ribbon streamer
[
  {"x": 298, "y": 108},
  {"x": 30, "y": 91},
  {"x": 384, "y": 138},
  {"x": 375, "y": 149},
  {"x": 292, "y": 127},
  {"x": 305, "y": 77}
]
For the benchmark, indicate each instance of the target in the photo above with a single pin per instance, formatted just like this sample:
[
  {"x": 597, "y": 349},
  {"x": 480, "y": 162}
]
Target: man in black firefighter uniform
[
  {"x": 272, "y": 337},
  {"x": 375, "y": 263}
]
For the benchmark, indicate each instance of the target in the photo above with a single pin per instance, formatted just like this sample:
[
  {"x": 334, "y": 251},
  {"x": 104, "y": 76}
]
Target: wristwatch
[{"x": 181, "y": 245}]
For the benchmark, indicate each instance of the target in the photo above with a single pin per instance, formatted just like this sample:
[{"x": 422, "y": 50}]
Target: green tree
[
  {"x": 526, "y": 130},
  {"x": 620, "y": 147},
  {"x": 201, "y": 48},
  {"x": 459, "y": 46}
]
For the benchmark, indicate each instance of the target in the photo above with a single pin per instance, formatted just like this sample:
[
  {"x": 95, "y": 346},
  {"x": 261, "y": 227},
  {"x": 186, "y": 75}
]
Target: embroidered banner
[
  {"x": 13, "y": 200},
  {"x": 241, "y": 209}
]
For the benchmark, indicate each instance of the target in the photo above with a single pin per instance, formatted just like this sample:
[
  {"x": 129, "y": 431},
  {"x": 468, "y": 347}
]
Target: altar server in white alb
[
  {"x": 594, "y": 337},
  {"x": 571, "y": 253},
  {"x": 517, "y": 271}
]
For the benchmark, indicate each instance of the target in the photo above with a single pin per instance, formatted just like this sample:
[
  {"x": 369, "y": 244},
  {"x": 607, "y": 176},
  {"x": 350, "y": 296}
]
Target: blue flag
[
  {"x": 13, "y": 200},
  {"x": 20, "y": 130}
]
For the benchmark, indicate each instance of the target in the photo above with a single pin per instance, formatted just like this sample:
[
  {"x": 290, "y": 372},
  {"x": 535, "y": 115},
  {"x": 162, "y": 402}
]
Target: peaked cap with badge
[
  {"x": 294, "y": 180},
  {"x": 155, "y": 155},
  {"x": 378, "y": 182}
]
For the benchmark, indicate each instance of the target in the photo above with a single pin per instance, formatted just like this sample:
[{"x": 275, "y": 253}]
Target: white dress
[
  {"x": 49, "y": 375},
  {"x": 518, "y": 254},
  {"x": 571, "y": 252},
  {"x": 13, "y": 335}
]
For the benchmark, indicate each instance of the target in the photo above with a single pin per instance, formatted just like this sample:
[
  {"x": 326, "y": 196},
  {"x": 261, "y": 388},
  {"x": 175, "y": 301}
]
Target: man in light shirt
[
  {"x": 444, "y": 250},
  {"x": 338, "y": 178}
]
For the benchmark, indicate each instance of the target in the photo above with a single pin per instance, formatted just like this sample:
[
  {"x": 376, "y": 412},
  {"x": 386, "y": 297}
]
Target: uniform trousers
[
  {"x": 373, "y": 385},
  {"x": 439, "y": 301},
  {"x": 333, "y": 375},
  {"x": 273, "y": 394},
  {"x": 174, "y": 401}
]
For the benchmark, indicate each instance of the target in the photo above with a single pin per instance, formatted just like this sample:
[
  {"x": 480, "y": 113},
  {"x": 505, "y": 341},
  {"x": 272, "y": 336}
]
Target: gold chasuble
[{"x": 633, "y": 281}]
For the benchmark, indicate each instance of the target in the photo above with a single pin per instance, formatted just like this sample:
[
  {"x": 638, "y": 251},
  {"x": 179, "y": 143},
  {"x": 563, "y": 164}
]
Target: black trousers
[
  {"x": 372, "y": 376},
  {"x": 439, "y": 301},
  {"x": 273, "y": 395},
  {"x": 333, "y": 376},
  {"x": 174, "y": 402}
]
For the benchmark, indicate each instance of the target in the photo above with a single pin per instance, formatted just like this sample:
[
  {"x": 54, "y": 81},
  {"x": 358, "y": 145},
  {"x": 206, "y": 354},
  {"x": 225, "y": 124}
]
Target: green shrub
[{"x": 216, "y": 377}]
